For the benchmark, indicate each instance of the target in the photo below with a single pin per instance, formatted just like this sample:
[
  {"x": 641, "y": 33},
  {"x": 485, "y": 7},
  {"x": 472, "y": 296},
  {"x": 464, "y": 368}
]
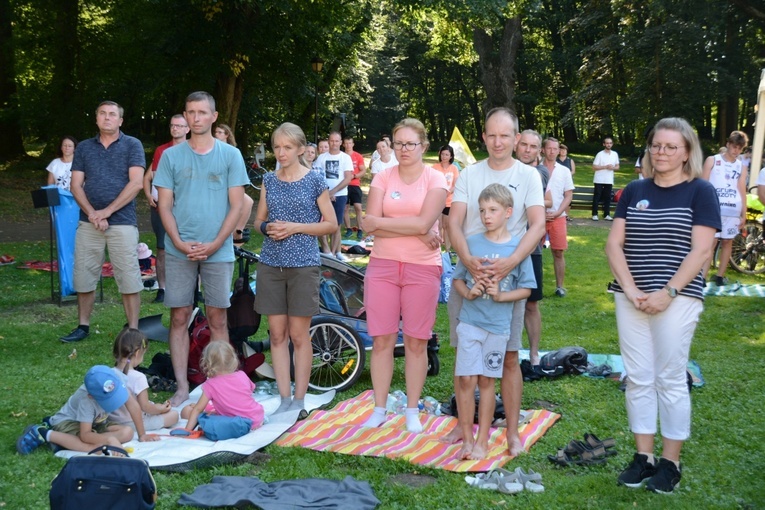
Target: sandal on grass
[
  {"x": 531, "y": 481},
  {"x": 593, "y": 442},
  {"x": 500, "y": 480},
  {"x": 578, "y": 453}
]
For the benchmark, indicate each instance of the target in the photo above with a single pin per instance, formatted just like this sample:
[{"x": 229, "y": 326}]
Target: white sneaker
[
  {"x": 342, "y": 258},
  {"x": 595, "y": 218},
  {"x": 608, "y": 218}
]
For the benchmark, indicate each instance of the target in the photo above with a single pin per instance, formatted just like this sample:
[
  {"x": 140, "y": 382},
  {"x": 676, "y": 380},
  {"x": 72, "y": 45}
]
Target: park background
[{"x": 576, "y": 70}]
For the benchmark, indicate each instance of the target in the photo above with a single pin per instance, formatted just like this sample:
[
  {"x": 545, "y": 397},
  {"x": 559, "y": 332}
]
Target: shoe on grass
[
  {"x": 666, "y": 479},
  {"x": 160, "y": 296},
  {"x": 595, "y": 217},
  {"x": 560, "y": 292},
  {"x": 32, "y": 438},
  {"x": 637, "y": 472},
  {"x": 608, "y": 218},
  {"x": 76, "y": 335},
  {"x": 359, "y": 235},
  {"x": 348, "y": 232},
  {"x": 721, "y": 281}
]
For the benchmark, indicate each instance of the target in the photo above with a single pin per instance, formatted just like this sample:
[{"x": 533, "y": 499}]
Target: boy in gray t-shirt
[
  {"x": 484, "y": 326},
  {"x": 82, "y": 423}
]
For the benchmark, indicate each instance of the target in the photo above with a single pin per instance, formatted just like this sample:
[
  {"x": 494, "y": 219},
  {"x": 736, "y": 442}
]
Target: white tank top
[{"x": 724, "y": 177}]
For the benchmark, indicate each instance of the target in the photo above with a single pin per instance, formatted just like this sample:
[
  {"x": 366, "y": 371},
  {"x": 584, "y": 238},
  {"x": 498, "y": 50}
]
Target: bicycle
[
  {"x": 748, "y": 251},
  {"x": 255, "y": 169}
]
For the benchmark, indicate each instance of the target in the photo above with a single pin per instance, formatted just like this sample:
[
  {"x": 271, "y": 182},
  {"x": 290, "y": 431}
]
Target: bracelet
[{"x": 263, "y": 227}]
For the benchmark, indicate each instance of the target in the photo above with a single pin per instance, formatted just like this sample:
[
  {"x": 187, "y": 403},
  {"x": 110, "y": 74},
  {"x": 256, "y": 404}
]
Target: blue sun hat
[{"x": 105, "y": 387}]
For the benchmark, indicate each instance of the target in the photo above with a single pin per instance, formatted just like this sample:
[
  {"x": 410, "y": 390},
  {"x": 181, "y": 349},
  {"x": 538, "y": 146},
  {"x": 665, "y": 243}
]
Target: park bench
[{"x": 582, "y": 198}]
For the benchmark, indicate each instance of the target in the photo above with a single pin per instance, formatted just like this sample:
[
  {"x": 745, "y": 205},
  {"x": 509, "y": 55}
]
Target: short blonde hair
[
  {"x": 219, "y": 358},
  {"x": 497, "y": 192},
  {"x": 417, "y": 127},
  {"x": 693, "y": 165}
]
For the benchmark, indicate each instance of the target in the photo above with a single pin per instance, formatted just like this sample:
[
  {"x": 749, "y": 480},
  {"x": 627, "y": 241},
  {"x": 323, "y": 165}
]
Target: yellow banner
[{"x": 462, "y": 153}]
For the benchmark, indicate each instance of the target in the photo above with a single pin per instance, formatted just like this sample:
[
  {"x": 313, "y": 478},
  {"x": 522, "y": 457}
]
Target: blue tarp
[{"x": 66, "y": 216}]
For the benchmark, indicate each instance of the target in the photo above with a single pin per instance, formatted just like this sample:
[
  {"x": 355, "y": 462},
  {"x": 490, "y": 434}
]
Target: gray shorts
[
  {"x": 479, "y": 352},
  {"x": 290, "y": 291},
  {"x": 181, "y": 282},
  {"x": 454, "y": 305}
]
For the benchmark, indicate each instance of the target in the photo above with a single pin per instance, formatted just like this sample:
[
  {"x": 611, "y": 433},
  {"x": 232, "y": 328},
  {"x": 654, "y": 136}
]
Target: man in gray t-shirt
[{"x": 107, "y": 174}]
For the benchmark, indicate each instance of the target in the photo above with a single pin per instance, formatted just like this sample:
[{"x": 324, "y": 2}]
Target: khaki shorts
[
  {"x": 292, "y": 291},
  {"x": 90, "y": 254},
  {"x": 72, "y": 427},
  {"x": 181, "y": 282}
]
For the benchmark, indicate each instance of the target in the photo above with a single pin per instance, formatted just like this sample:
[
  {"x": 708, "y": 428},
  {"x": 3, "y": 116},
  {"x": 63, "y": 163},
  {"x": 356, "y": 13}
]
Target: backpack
[{"x": 199, "y": 336}]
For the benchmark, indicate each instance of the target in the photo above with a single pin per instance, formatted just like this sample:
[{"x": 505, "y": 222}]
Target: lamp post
[{"x": 316, "y": 64}]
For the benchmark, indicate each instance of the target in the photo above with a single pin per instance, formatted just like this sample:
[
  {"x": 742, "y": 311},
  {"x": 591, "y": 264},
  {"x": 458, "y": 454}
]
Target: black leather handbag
[{"x": 95, "y": 482}]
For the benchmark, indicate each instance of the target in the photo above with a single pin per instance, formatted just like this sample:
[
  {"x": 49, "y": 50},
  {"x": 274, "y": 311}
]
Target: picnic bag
[{"x": 94, "y": 482}]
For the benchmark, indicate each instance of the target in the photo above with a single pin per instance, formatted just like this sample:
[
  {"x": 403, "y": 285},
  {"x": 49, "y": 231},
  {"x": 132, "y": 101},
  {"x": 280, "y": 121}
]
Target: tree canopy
[{"x": 575, "y": 69}]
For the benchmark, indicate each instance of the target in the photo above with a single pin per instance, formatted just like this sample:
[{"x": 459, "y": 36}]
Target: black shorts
[
  {"x": 445, "y": 212},
  {"x": 159, "y": 229},
  {"x": 354, "y": 195},
  {"x": 536, "y": 262}
]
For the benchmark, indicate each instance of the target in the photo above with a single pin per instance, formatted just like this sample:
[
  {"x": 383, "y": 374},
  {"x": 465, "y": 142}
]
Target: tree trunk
[
  {"x": 65, "y": 104},
  {"x": 497, "y": 63},
  {"x": 11, "y": 143},
  {"x": 228, "y": 97}
]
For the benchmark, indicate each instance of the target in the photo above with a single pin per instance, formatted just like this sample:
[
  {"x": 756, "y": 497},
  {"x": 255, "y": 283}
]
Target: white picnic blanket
[{"x": 171, "y": 451}]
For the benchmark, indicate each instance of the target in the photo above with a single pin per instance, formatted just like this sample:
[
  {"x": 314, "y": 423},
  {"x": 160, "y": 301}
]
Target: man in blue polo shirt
[{"x": 107, "y": 174}]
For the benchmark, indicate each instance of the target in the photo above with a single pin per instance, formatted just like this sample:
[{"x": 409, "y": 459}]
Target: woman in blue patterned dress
[
  {"x": 661, "y": 236},
  {"x": 294, "y": 209}
]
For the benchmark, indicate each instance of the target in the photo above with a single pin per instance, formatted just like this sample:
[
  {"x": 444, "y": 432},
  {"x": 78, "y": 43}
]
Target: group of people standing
[{"x": 500, "y": 209}]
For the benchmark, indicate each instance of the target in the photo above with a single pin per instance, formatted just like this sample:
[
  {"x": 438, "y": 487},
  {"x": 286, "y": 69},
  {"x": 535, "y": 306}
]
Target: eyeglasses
[
  {"x": 410, "y": 146},
  {"x": 311, "y": 144},
  {"x": 669, "y": 150},
  {"x": 178, "y": 126}
]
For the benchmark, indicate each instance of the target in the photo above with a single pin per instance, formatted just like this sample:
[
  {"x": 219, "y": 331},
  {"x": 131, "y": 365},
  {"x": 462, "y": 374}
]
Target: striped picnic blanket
[
  {"x": 338, "y": 430},
  {"x": 735, "y": 289}
]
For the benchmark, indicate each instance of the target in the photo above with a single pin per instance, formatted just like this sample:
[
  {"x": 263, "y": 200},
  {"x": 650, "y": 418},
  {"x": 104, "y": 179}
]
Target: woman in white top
[{"x": 60, "y": 169}]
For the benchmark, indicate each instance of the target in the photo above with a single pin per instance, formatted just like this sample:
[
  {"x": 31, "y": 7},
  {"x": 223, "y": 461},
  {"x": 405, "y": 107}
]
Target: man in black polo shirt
[{"x": 107, "y": 174}]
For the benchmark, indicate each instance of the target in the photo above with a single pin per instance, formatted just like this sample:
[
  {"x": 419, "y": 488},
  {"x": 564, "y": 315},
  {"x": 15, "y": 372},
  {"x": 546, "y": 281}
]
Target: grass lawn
[{"x": 723, "y": 462}]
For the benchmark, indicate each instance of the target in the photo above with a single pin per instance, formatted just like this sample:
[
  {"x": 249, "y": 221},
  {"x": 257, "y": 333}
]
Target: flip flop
[
  {"x": 6, "y": 259},
  {"x": 530, "y": 481}
]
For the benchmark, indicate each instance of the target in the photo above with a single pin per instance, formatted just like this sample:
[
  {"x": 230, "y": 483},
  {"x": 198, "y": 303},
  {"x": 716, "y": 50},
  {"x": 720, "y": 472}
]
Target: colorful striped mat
[{"x": 338, "y": 430}]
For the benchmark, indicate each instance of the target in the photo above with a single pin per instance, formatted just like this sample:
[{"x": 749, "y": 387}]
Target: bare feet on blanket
[
  {"x": 454, "y": 436},
  {"x": 467, "y": 451},
  {"x": 179, "y": 398},
  {"x": 514, "y": 445},
  {"x": 480, "y": 450}
]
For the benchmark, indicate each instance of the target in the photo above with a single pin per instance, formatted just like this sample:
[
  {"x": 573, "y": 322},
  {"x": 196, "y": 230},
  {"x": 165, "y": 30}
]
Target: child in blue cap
[{"x": 82, "y": 423}]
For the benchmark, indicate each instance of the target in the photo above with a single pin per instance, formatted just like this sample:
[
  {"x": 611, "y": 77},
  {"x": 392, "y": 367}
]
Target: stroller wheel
[{"x": 338, "y": 355}]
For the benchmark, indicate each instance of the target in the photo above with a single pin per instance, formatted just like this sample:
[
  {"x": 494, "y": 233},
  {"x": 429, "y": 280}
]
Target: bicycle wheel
[
  {"x": 338, "y": 355},
  {"x": 748, "y": 253},
  {"x": 255, "y": 174}
]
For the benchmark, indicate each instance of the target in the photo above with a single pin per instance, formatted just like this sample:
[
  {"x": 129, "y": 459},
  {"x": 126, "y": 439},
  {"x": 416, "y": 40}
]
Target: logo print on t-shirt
[
  {"x": 642, "y": 205},
  {"x": 332, "y": 169},
  {"x": 515, "y": 188}
]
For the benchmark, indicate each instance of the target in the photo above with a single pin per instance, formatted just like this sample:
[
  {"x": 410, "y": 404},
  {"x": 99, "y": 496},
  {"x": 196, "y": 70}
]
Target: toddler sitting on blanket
[{"x": 227, "y": 390}]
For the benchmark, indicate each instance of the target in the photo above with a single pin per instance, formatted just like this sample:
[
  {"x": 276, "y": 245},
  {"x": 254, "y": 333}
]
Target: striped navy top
[{"x": 658, "y": 230}]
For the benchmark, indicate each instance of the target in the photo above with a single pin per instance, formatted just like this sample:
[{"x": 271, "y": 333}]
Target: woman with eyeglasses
[
  {"x": 661, "y": 236},
  {"x": 403, "y": 276}
]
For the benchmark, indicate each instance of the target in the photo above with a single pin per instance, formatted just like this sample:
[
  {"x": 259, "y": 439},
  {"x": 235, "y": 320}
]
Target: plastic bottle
[
  {"x": 396, "y": 402},
  {"x": 431, "y": 406}
]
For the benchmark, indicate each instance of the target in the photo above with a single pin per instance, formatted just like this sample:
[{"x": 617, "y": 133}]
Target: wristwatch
[{"x": 671, "y": 291}]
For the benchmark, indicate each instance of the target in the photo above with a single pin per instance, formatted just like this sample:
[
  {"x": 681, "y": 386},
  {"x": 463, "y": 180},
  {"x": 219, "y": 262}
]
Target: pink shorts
[
  {"x": 556, "y": 229},
  {"x": 397, "y": 292}
]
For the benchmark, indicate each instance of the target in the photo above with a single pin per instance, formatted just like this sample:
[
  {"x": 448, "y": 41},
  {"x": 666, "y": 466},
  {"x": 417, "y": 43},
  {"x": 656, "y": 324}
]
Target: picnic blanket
[
  {"x": 339, "y": 430},
  {"x": 107, "y": 271},
  {"x": 735, "y": 289},
  {"x": 617, "y": 366},
  {"x": 177, "y": 454}
]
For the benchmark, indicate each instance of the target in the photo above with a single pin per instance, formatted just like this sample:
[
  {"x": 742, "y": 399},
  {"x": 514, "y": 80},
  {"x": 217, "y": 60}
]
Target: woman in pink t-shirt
[{"x": 403, "y": 277}]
